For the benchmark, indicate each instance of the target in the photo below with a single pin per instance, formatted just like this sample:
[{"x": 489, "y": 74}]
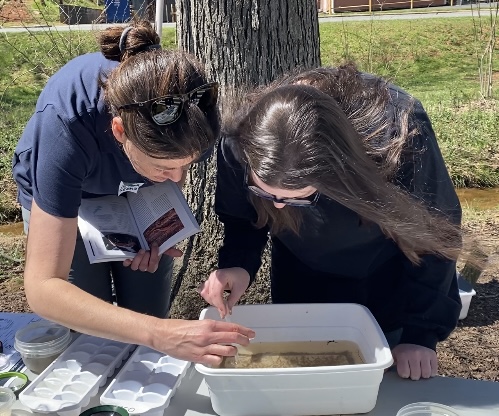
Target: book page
[
  {"x": 108, "y": 225},
  {"x": 162, "y": 215}
]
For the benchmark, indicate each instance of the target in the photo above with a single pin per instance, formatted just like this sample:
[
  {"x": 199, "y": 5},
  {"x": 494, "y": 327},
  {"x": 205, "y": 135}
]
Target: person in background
[
  {"x": 343, "y": 171},
  {"x": 129, "y": 116}
]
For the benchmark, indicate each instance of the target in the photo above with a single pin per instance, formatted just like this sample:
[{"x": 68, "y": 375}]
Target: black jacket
[{"x": 336, "y": 258}]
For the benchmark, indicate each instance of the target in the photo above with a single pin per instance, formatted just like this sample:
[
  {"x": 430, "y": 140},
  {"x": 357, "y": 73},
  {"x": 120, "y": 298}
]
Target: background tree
[{"x": 243, "y": 43}]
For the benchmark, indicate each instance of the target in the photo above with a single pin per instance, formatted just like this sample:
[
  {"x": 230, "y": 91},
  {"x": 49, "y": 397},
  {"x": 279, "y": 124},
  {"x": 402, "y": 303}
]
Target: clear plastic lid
[
  {"x": 427, "y": 409},
  {"x": 42, "y": 338}
]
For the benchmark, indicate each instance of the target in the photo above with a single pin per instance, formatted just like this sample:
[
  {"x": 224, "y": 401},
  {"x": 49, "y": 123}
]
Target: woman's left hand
[
  {"x": 415, "y": 361},
  {"x": 148, "y": 261}
]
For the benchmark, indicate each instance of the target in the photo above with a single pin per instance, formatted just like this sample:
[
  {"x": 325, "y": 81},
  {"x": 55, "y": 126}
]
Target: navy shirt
[
  {"x": 338, "y": 258},
  {"x": 67, "y": 150}
]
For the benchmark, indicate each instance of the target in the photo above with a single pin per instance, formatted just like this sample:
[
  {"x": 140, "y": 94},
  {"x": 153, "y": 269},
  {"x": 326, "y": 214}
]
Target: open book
[{"x": 115, "y": 228}]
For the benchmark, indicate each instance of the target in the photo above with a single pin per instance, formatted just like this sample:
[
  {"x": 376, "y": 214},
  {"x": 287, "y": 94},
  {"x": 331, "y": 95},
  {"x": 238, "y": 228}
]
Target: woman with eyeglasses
[
  {"x": 342, "y": 170},
  {"x": 128, "y": 117}
]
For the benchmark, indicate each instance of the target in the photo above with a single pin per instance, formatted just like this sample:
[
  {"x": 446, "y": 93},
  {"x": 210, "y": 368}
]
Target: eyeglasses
[
  {"x": 308, "y": 201},
  {"x": 167, "y": 109}
]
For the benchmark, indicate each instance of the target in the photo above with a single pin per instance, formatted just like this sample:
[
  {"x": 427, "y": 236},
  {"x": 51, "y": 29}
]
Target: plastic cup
[
  {"x": 7, "y": 399},
  {"x": 40, "y": 343},
  {"x": 427, "y": 409}
]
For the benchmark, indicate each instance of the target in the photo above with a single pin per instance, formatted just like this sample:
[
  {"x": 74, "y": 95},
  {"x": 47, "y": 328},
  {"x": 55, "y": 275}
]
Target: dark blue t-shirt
[{"x": 67, "y": 150}]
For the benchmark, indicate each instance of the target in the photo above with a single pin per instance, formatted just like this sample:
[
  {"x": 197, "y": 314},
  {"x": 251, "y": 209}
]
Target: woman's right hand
[
  {"x": 148, "y": 261},
  {"x": 51, "y": 296},
  {"x": 234, "y": 279},
  {"x": 203, "y": 341}
]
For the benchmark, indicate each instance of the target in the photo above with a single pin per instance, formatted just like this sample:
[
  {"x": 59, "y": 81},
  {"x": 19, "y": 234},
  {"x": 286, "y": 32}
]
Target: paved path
[
  {"x": 401, "y": 16},
  {"x": 451, "y": 11}
]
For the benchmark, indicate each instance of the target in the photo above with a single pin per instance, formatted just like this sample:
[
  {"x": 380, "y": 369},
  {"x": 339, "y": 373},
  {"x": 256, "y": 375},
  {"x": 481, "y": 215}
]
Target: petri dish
[{"x": 427, "y": 409}]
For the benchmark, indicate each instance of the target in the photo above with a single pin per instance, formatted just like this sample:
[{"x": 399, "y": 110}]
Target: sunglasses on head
[
  {"x": 167, "y": 109},
  {"x": 308, "y": 201}
]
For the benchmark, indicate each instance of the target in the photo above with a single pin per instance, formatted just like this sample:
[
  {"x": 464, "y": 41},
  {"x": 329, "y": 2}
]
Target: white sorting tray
[
  {"x": 146, "y": 383},
  {"x": 73, "y": 378}
]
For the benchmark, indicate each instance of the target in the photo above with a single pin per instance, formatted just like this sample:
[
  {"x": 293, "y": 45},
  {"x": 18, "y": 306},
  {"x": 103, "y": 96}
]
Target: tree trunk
[
  {"x": 249, "y": 42},
  {"x": 243, "y": 44}
]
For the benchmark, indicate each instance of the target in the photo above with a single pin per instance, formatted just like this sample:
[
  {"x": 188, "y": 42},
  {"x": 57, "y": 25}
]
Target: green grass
[
  {"x": 26, "y": 63},
  {"x": 434, "y": 59},
  {"x": 469, "y": 140}
]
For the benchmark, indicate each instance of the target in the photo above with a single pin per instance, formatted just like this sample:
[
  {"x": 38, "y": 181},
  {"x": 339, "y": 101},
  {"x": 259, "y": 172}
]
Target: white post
[{"x": 160, "y": 5}]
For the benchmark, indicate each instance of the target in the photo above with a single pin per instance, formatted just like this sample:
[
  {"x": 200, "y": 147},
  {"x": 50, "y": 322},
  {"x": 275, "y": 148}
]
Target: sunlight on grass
[{"x": 433, "y": 59}]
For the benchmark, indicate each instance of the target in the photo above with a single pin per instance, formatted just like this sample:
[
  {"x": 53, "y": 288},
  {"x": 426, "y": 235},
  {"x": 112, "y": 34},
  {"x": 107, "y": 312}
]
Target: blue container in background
[{"x": 117, "y": 11}]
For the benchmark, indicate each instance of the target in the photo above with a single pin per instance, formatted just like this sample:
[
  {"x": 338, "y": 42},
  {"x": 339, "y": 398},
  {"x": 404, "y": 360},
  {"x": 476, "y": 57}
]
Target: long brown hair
[
  {"x": 293, "y": 135},
  {"x": 145, "y": 72}
]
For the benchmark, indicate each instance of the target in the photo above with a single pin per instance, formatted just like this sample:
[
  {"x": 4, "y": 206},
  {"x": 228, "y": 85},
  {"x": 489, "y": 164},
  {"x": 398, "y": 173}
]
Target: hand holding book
[
  {"x": 115, "y": 228},
  {"x": 148, "y": 261}
]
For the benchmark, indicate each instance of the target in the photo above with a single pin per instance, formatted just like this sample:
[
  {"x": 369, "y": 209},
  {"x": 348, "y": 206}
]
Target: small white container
[
  {"x": 343, "y": 389},
  {"x": 426, "y": 409},
  {"x": 7, "y": 399},
  {"x": 466, "y": 293}
]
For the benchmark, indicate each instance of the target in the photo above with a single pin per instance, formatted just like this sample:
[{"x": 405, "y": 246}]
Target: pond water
[
  {"x": 295, "y": 354},
  {"x": 16, "y": 228},
  {"x": 480, "y": 199}
]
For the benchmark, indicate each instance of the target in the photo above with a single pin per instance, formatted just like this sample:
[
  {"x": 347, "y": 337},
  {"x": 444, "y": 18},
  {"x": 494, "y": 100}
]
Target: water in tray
[{"x": 295, "y": 354}]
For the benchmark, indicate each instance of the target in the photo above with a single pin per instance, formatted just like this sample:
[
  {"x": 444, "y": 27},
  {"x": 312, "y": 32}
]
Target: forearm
[
  {"x": 203, "y": 341},
  {"x": 243, "y": 243},
  {"x": 62, "y": 302},
  {"x": 50, "y": 295},
  {"x": 243, "y": 246}
]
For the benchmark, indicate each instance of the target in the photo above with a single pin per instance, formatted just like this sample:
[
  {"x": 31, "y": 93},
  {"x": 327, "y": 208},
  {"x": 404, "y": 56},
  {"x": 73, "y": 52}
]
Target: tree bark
[
  {"x": 243, "y": 43},
  {"x": 249, "y": 42}
]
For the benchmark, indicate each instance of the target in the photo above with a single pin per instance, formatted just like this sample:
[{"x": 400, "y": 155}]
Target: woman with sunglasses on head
[
  {"x": 129, "y": 116},
  {"x": 344, "y": 172}
]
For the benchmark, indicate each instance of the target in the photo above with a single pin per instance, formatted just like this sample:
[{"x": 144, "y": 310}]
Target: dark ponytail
[{"x": 118, "y": 43}]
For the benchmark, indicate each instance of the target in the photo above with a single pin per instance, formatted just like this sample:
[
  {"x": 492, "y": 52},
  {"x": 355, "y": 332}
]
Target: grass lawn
[
  {"x": 437, "y": 61},
  {"x": 434, "y": 59}
]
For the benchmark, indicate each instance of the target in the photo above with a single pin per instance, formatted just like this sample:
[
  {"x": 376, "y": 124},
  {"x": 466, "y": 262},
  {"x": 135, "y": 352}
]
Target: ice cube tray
[
  {"x": 74, "y": 377},
  {"x": 146, "y": 383}
]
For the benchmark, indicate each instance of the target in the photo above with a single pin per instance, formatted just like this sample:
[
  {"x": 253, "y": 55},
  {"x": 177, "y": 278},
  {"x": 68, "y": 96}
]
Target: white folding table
[{"x": 468, "y": 397}]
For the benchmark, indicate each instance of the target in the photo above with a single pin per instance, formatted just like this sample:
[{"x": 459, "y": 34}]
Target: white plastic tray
[
  {"x": 322, "y": 390},
  {"x": 146, "y": 383},
  {"x": 69, "y": 383}
]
